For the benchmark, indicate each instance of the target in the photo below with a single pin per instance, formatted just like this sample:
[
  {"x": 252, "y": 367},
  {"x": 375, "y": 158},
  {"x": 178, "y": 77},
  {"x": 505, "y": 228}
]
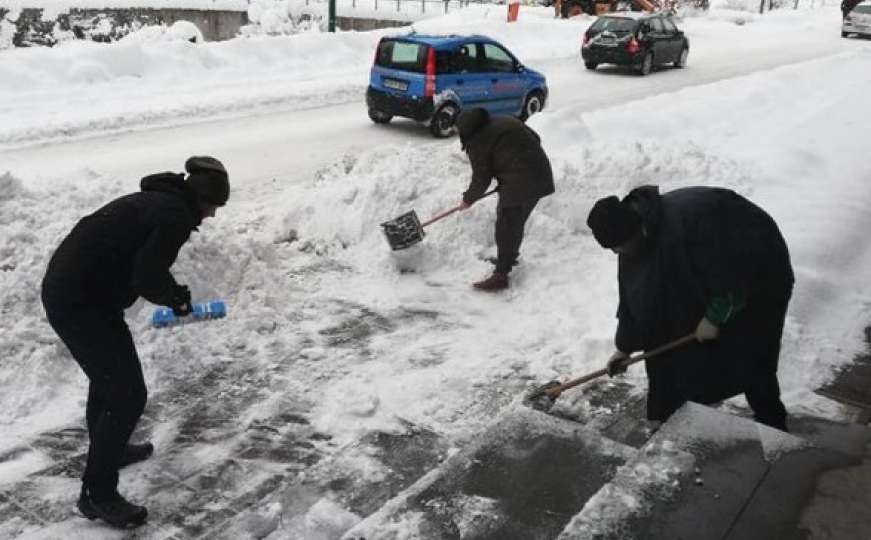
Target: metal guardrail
[{"x": 433, "y": 7}]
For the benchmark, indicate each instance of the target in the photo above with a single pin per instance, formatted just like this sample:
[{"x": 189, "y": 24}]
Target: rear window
[
  {"x": 402, "y": 55},
  {"x": 613, "y": 24},
  {"x": 865, "y": 9}
]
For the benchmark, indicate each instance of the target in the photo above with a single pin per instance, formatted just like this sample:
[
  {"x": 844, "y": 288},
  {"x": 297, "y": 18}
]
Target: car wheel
[
  {"x": 591, "y": 65},
  {"x": 646, "y": 64},
  {"x": 379, "y": 117},
  {"x": 442, "y": 122},
  {"x": 682, "y": 59},
  {"x": 534, "y": 103}
]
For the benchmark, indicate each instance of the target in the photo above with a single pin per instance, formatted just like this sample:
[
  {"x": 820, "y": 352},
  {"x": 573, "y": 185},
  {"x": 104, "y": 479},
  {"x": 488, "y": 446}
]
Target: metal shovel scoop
[{"x": 407, "y": 230}]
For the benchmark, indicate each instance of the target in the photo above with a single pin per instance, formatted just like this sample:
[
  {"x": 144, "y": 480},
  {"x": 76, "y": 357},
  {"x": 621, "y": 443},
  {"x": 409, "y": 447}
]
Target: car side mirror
[{"x": 518, "y": 67}]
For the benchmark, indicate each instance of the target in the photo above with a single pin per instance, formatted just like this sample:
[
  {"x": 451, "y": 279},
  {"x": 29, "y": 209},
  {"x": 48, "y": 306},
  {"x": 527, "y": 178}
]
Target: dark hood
[
  {"x": 469, "y": 123},
  {"x": 174, "y": 183}
]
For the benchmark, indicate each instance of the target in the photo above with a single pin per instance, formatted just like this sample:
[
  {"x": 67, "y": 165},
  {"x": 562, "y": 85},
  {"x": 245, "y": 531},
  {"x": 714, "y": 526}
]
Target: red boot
[{"x": 496, "y": 282}]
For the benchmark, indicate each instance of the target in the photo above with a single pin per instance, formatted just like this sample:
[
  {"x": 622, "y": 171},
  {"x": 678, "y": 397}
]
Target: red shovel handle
[{"x": 446, "y": 213}]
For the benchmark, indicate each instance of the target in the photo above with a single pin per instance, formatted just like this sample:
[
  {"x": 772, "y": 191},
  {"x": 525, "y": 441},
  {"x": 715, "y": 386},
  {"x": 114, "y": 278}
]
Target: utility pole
[{"x": 332, "y": 17}]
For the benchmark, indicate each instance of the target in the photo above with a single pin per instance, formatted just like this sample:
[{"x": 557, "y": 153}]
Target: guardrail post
[{"x": 331, "y": 25}]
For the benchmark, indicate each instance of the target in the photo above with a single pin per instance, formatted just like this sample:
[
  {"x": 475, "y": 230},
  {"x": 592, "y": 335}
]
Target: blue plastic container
[{"x": 205, "y": 311}]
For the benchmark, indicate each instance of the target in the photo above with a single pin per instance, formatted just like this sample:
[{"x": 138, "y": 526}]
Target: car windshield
[
  {"x": 864, "y": 9},
  {"x": 402, "y": 55},
  {"x": 613, "y": 24}
]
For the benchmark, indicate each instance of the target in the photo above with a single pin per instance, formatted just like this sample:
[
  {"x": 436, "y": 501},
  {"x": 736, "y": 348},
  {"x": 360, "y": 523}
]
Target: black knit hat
[
  {"x": 209, "y": 180},
  {"x": 613, "y": 222}
]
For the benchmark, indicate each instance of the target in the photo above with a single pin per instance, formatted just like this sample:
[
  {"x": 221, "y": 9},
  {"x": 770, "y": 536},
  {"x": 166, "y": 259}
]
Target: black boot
[
  {"x": 115, "y": 511},
  {"x": 134, "y": 453}
]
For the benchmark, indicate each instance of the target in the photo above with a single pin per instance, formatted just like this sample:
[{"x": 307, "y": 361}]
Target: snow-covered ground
[{"x": 321, "y": 311}]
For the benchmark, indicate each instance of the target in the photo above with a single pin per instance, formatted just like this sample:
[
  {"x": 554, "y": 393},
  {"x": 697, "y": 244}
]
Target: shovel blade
[{"x": 404, "y": 231}]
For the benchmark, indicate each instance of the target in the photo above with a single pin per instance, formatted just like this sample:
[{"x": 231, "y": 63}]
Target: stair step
[
  {"x": 610, "y": 406},
  {"x": 523, "y": 478},
  {"x": 710, "y": 475}
]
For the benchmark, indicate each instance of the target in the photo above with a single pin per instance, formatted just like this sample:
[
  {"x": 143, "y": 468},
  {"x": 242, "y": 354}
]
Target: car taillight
[
  {"x": 377, "y": 52},
  {"x": 429, "y": 86},
  {"x": 632, "y": 47}
]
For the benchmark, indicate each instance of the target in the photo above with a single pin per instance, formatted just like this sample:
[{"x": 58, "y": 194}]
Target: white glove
[{"x": 706, "y": 330}]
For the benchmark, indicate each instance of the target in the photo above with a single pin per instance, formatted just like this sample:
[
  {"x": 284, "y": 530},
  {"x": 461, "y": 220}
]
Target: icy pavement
[{"x": 522, "y": 479}]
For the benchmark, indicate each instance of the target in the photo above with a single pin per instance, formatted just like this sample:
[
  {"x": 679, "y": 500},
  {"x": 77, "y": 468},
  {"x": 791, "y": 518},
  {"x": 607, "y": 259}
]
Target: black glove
[
  {"x": 180, "y": 301},
  {"x": 617, "y": 363}
]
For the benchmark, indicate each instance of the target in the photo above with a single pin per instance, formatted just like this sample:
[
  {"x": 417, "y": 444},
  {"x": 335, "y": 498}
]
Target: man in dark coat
[
  {"x": 504, "y": 148},
  {"x": 123, "y": 251},
  {"x": 702, "y": 260}
]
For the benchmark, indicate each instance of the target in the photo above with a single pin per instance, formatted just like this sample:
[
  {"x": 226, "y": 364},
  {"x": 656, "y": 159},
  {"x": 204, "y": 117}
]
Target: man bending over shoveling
[
  {"x": 504, "y": 148},
  {"x": 705, "y": 259},
  {"x": 123, "y": 251}
]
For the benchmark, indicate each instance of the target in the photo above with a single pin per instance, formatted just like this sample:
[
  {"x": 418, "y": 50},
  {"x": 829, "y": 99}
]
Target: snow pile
[
  {"x": 35, "y": 364},
  {"x": 63, "y": 6},
  {"x": 284, "y": 17},
  {"x": 178, "y": 31},
  {"x": 7, "y": 32}
]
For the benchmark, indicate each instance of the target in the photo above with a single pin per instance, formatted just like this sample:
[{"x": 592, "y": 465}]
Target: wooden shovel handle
[
  {"x": 446, "y": 213},
  {"x": 557, "y": 390}
]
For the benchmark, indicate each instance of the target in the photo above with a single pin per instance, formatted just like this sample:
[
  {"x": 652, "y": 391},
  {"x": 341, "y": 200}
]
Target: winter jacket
[
  {"x": 508, "y": 150},
  {"x": 125, "y": 249},
  {"x": 702, "y": 244}
]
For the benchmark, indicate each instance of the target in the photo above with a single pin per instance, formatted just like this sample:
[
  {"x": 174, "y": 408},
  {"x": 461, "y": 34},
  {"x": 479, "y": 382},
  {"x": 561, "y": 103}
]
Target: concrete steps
[
  {"x": 524, "y": 478},
  {"x": 704, "y": 475}
]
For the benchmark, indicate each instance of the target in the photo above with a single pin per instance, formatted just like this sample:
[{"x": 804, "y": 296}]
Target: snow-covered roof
[{"x": 66, "y": 5}]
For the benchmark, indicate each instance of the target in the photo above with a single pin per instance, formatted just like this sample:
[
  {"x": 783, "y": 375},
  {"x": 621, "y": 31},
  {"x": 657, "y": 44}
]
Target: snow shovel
[
  {"x": 407, "y": 230},
  {"x": 544, "y": 397}
]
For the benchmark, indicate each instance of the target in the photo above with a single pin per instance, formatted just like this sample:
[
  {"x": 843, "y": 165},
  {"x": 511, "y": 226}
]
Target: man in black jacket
[
  {"x": 702, "y": 260},
  {"x": 123, "y": 251},
  {"x": 504, "y": 148}
]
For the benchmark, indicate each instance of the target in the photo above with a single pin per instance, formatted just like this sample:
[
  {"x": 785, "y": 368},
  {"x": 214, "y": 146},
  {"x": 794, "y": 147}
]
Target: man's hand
[
  {"x": 706, "y": 330},
  {"x": 180, "y": 302},
  {"x": 464, "y": 205},
  {"x": 617, "y": 363}
]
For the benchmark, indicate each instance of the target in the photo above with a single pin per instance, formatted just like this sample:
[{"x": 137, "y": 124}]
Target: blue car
[{"x": 431, "y": 78}]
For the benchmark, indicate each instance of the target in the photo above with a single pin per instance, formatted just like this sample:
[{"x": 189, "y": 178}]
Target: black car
[{"x": 638, "y": 40}]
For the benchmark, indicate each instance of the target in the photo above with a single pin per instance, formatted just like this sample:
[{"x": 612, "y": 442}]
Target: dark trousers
[
  {"x": 763, "y": 389},
  {"x": 101, "y": 343},
  {"x": 743, "y": 360},
  {"x": 510, "y": 223}
]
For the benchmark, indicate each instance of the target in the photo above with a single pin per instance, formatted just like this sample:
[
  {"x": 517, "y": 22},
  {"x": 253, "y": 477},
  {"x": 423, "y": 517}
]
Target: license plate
[{"x": 396, "y": 85}]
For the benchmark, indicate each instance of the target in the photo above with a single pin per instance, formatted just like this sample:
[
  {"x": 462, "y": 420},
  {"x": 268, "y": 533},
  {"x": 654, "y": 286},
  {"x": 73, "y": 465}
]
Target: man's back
[
  {"x": 507, "y": 149},
  {"x": 100, "y": 260}
]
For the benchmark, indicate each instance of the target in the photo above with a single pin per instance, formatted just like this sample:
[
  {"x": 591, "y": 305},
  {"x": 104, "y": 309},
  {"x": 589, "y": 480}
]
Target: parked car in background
[
  {"x": 635, "y": 39},
  {"x": 857, "y": 21},
  {"x": 432, "y": 78}
]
